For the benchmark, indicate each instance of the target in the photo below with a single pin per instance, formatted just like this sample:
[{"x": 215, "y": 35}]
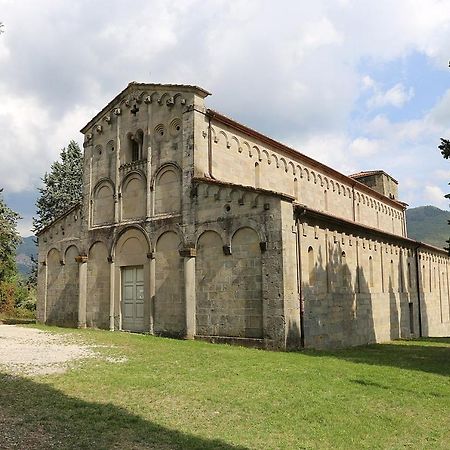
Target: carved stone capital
[
  {"x": 117, "y": 111},
  {"x": 188, "y": 252},
  {"x": 80, "y": 259}
]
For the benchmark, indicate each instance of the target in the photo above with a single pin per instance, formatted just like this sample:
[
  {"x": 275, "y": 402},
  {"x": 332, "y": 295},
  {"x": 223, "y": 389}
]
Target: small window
[
  {"x": 370, "y": 271},
  {"x": 311, "y": 266}
]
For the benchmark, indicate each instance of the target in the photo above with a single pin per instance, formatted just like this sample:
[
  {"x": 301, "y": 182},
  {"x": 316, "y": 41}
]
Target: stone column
[
  {"x": 82, "y": 284},
  {"x": 117, "y": 113},
  {"x": 189, "y": 255},
  {"x": 152, "y": 292},
  {"x": 112, "y": 270}
]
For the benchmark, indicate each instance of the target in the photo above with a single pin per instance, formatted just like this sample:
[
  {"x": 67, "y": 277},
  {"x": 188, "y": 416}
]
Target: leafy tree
[
  {"x": 444, "y": 147},
  {"x": 32, "y": 278},
  {"x": 62, "y": 187},
  {"x": 9, "y": 240}
]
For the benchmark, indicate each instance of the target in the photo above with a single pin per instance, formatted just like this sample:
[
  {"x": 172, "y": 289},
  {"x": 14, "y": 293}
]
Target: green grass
[{"x": 195, "y": 395}]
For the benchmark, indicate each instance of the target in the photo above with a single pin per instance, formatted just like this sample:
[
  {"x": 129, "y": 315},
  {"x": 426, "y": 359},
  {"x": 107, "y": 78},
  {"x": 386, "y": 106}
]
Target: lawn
[{"x": 173, "y": 394}]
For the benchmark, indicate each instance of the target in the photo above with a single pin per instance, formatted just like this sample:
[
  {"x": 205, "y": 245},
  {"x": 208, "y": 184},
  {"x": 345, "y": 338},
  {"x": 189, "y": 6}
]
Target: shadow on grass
[
  {"x": 36, "y": 416},
  {"x": 410, "y": 355}
]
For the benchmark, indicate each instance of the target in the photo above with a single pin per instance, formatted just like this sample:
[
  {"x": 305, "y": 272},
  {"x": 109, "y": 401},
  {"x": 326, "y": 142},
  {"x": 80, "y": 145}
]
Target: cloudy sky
[{"x": 358, "y": 85}]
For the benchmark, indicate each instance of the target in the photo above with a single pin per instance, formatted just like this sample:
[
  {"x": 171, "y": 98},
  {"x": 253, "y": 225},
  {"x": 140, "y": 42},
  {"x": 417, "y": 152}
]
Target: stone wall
[{"x": 207, "y": 216}]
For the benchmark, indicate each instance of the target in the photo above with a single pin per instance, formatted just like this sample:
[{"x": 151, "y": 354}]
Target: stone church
[{"x": 195, "y": 226}]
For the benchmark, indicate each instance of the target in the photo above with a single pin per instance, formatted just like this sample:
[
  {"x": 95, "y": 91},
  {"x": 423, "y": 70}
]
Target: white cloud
[
  {"x": 396, "y": 96},
  {"x": 364, "y": 147},
  {"x": 435, "y": 195},
  {"x": 292, "y": 72}
]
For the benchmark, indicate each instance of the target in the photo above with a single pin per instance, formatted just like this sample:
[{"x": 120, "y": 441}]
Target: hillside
[
  {"x": 24, "y": 252},
  {"x": 428, "y": 224}
]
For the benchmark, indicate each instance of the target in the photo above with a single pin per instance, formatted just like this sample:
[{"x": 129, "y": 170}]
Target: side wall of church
[
  {"x": 359, "y": 288},
  {"x": 242, "y": 287},
  {"x": 258, "y": 164},
  {"x": 58, "y": 271}
]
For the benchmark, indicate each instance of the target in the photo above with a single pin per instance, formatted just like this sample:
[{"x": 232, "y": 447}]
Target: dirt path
[{"x": 28, "y": 351}]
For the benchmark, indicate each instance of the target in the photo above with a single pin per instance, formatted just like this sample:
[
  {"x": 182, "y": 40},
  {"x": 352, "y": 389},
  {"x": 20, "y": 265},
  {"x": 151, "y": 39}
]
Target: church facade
[{"x": 195, "y": 226}]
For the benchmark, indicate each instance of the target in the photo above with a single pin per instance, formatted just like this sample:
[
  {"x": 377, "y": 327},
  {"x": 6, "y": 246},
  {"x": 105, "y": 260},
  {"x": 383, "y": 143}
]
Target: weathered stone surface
[{"x": 234, "y": 237}]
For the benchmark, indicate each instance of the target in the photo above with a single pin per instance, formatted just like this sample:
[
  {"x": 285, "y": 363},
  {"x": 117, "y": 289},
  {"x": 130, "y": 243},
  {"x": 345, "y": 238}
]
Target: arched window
[
  {"x": 409, "y": 275},
  {"x": 311, "y": 267},
  {"x": 345, "y": 272},
  {"x": 391, "y": 276},
  {"x": 135, "y": 144},
  {"x": 257, "y": 175}
]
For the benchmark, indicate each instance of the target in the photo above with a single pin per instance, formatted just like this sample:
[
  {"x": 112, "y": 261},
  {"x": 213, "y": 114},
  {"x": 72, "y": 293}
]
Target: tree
[
  {"x": 444, "y": 147},
  {"x": 62, "y": 187},
  {"x": 9, "y": 240}
]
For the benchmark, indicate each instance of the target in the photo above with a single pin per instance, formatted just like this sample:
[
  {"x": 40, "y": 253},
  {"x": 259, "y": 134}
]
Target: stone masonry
[{"x": 195, "y": 226}]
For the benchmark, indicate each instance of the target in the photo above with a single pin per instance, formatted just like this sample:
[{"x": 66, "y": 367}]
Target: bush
[{"x": 16, "y": 300}]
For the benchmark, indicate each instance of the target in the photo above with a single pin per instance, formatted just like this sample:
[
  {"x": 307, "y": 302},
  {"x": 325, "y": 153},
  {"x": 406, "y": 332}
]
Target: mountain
[
  {"x": 428, "y": 224},
  {"x": 24, "y": 252}
]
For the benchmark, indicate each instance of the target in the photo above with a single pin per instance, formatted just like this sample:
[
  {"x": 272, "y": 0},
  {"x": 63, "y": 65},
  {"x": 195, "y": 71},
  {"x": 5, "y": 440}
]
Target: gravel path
[{"x": 28, "y": 351}]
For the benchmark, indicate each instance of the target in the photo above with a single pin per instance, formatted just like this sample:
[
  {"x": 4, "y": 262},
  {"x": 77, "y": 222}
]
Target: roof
[
  {"x": 56, "y": 219},
  {"x": 369, "y": 173},
  {"x": 156, "y": 86},
  {"x": 306, "y": 211}
]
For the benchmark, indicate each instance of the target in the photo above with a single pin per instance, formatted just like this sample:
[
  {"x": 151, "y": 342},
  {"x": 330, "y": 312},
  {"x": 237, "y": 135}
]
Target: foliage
[
  {"x": 9, "y": 240},
  {"x": 32, "y": 277},
  {"x": 194, "y": 395},
  {"x": 444, "y": 147},
  {"x": 62, "y": 187},
  {"x": 16, "y": 296}
]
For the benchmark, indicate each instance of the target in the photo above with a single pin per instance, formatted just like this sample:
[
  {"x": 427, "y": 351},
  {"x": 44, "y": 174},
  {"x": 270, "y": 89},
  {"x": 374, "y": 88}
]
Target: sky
[{"x": 357, "y": 85}]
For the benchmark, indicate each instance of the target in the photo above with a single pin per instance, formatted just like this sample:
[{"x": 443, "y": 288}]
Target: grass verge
[{"x": 173, "y": 394}]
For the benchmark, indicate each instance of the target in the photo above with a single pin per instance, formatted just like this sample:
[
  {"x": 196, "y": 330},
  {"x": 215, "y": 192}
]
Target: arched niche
[
  {"x": 134, "y": 198},
  {"x": 169, "y": 306},
  {"x": 103, "y": 211},
  {"x": 132, "y": 281},
  {"x": 98, "y": 287},
  {"x": 131, "y": 248},
  {"x": 71, "y": 288},
  {"x": 213, "y": 274},
  {"x": 246, "y": 314},
  {"x": 168, "y": 190},
  {"x": 54, "y": 285}
]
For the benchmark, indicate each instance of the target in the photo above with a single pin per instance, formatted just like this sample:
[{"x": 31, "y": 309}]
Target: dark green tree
[
  {"x": 444, "y": 147},
  {"x": 62, "y": 187},
  {"x": 9, "y": 240}
]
